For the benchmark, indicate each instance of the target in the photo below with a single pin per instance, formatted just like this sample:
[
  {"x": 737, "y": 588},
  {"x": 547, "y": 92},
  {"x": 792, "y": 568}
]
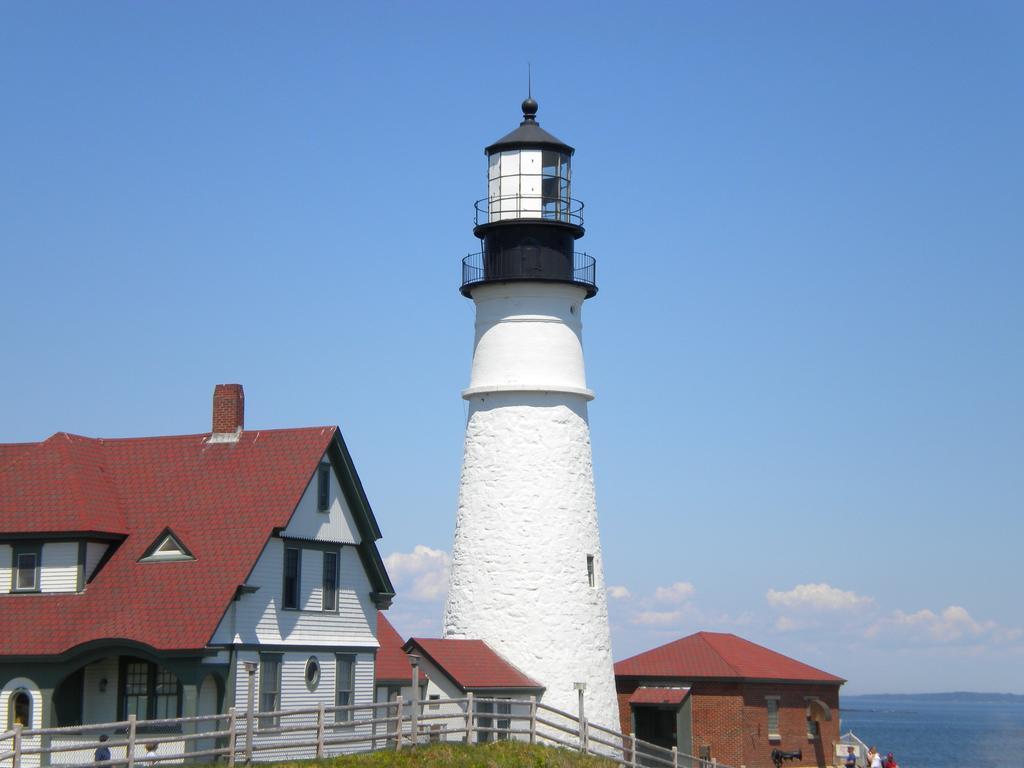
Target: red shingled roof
[
  {"x": 471, "y": 664},
  {"x": 645, "y": 695},
  {"x": 392, "y": 664},
  {"x": 721, "y": 656},
  {"x": 222, "y": 501}
]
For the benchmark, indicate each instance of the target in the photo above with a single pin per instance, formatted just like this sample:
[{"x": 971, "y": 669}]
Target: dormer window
[
  {"x": 166, "y": 547},
  {"x": 323, "y": 487},
  {"x": 26, "y": 568}
]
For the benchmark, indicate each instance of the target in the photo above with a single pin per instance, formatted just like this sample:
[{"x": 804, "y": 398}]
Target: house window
[
  {"x": 330, "y": 592},
  {"x": 136, "y": 689},
  {"x": 19, "y": 709},
  {"x": 484, "y": 720},
  {"x": 813, "y": 728},
  {"x": 504, "y": 724},
  {"x": 323, "y": 487},
  {"x": 345, "y": 682},
  {"x": 435, "y": 698},
  {"x": 26, "y": 568},
  {"x": 166, "y": 547},
  {"x": 292, "y": 578},
  {"x": 165, "y": 695},
  {"x": 270, "y": 687},
  {"x": 312, "y": 673},
  {"x": 484, "y": 709},
  {"x": 590, "y": 570},
  {"x": 773, "y": 717},
  {"x": 149, "y": 691}
]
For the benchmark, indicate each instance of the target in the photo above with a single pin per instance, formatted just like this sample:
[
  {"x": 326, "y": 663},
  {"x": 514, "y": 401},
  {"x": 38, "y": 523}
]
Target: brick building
[{"x": 719, "y": 696}]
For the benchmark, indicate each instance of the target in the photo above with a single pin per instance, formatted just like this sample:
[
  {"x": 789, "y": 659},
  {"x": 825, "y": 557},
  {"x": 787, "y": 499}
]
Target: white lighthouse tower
[{"x": 526, "y": 573}]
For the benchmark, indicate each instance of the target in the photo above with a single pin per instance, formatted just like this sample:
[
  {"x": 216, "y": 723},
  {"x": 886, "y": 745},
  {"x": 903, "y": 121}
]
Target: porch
[{"x": 160, "y": 693}]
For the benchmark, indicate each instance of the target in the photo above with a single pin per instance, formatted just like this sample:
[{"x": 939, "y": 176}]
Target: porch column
[{"x": 49, "y": 720}]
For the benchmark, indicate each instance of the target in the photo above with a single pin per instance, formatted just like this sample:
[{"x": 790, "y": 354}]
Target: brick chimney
[{"x": 228, "y": 409}]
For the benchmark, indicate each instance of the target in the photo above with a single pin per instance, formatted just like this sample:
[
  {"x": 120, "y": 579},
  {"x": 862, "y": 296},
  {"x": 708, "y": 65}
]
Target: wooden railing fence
[{"x": 319, "y": 732}]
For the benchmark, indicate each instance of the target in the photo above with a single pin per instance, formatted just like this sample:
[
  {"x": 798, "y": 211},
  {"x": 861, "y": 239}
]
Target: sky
[{"x": 808, "y": 221}]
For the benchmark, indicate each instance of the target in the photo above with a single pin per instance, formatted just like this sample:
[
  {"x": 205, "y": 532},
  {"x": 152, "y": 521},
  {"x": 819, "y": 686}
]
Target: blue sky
[{"x": 807, "y": 220}]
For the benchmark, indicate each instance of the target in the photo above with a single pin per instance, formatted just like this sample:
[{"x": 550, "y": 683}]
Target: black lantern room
[{"x": 529, "y": 223}]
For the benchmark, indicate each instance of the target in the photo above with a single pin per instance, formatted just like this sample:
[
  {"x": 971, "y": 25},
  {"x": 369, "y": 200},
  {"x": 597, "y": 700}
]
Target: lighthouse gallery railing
[{"x": 476, "y": 268}]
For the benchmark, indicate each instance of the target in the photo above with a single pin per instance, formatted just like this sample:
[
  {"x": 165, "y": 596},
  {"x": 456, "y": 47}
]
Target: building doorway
[{"x": 656, "y": 725}]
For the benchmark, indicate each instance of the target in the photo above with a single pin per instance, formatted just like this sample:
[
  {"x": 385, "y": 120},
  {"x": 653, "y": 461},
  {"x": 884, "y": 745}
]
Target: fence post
[
  {"x": 319, "y": 730},
  {"x": 232, "y": 739},
  {"x": 413, "y": 707},
  {"x": 17, "y": 745},
  {"x": 533, "y": 719},
  {"x": 398, "y": 723},
  {"x": 130, "y": 749},
  {"x": 632, "y": 750},
  {"x": 469, "y": 717},
  {"x": 675, "y": 757}
]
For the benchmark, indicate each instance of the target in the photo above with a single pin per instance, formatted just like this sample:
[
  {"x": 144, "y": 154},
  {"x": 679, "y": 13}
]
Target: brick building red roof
[
  {"x": 392, "y": 664},
  {"x": 719, "y": 655},
  {"x": 471, "y": 664},
  {"x": 645, "y": 695},
  {"x": 222, "y": 500}
]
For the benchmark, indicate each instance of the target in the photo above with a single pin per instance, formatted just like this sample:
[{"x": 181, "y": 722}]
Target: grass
[{"x": 502, "y": 754}]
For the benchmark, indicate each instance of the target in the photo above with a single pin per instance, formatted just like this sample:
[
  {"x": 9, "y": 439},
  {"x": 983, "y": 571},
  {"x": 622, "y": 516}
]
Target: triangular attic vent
[{"x": 167, "y": 547}]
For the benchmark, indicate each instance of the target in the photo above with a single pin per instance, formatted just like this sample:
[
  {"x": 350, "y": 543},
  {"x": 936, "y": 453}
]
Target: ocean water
[{"x": 927, "y": 732}]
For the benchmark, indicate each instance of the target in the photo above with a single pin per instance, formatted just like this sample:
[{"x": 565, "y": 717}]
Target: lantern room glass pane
[{"x": 509, "y": 163}]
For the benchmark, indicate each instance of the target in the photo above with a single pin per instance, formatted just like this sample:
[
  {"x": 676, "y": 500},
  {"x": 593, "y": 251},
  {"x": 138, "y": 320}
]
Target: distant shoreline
[{"x": 951, "y": 696}]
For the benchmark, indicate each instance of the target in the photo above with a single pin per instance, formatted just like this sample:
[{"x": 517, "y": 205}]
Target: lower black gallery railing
[
  {"x": 319, "y": 732},
  {"x": 484, "y": 267}
]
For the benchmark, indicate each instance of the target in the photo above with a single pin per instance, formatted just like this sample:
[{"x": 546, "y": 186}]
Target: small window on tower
[
  {"x": 590, "y": 570},
  {"x": 323, "y": 487}
]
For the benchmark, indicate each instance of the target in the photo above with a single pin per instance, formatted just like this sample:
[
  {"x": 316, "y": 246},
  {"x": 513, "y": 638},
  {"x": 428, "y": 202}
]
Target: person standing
[
  {"x": 102, "y": 753},
  {"x": 874, "y": 758},
  {"x": 851, "y": 758}
]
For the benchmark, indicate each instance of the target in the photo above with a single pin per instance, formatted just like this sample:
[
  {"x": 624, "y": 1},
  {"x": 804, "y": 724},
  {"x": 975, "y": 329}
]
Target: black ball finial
[{"x": 529, "y": 108}]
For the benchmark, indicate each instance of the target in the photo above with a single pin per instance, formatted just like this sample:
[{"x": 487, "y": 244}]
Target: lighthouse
[{"x": 526, "y": 571}]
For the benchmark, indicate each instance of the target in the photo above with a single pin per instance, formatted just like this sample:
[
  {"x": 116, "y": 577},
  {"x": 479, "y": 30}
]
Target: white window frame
[
  {"x": 344, "y": 686},
  {"x": 35, "y": 551}
]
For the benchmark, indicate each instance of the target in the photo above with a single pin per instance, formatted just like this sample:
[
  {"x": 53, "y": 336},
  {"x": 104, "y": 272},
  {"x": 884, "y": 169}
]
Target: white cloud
[
  {"x": 618, "y": 593},
  {"x": 679, "y": 592},
  {"x": 655, "y": 618},
  {"x": 821, "y": 597},
  {"x": 421, "y": 574},
  {"x": 951, "y": 625}
]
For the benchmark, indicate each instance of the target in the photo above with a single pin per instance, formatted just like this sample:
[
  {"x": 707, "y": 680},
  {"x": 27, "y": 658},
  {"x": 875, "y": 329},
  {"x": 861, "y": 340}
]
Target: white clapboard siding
[
  {"x": 295, "y": 694},
  {"x": 6, "y": 553},
  {"x": 257, "y": 617},
  {"x": 58, "y": 570},
  {"x": 336, "y": 524},
  {"x": 94, "y": 550}
]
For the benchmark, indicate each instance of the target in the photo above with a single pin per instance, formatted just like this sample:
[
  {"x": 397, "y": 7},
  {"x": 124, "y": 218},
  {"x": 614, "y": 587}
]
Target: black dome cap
[{"x": 529, "y": 135}]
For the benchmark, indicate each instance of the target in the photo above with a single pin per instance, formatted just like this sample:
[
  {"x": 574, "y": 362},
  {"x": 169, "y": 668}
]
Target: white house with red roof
[
  {"x": 456, "y": 668},
  {"x": 138, "y": 576},
  {"x": 450, "y": 669}
]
